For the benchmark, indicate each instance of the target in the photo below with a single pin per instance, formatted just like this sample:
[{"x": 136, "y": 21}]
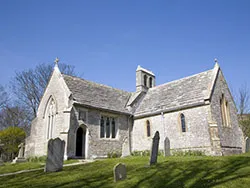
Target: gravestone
[
  {"x": 120, "y": 172},
  {"x": 155, "y": 148},
  {"x": 167, "y": 147},
  {"x": 55, "y": 153},
  {"x": 1, "y": 161},
  {"x": 20, "y": 158},
  {"x": 247, "y": 144},
  {"x": 125, "y": 148}
]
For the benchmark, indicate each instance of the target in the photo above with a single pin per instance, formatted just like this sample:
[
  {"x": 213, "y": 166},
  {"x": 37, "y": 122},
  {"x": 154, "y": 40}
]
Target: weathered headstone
[
  {"x": 120, "y": 172},
  {"x": 155, "y": 148},
  {"x": 167, "y": 147},
  {"x": 1, "y": 161},
  {"x": 247, "y": 144},
  {"x": 20, "y": 158},
  {"x": 55, "y": 155},
  {"x": 125, "y": 148}
]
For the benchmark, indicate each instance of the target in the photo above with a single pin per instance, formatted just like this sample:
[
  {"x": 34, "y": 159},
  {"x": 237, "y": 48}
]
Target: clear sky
[{"x": 106, "y": 40}]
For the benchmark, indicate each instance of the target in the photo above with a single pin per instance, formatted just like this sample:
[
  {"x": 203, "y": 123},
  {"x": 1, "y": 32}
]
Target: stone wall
[
  {"x": 36, "y": 143},
  {"x": 231, "y": 137},
  {"x": 97, "y": 147},
  {"x": 195, "y": 138}
]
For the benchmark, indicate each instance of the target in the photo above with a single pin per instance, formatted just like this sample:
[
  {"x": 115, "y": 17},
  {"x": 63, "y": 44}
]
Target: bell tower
[{"x": 145, "y": 79}]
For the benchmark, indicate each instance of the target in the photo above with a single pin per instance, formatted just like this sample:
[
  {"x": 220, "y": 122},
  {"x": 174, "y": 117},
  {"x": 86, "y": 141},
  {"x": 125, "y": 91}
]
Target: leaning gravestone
[
  {"x": 155, "y": 148},
  {"x": 1, "y": 161},
  {"x": 167, "y": 147},
  {"x": 247, "y": 144},
  {"x": 120, "y": 172},
  {"x": 55, "y": 155}
]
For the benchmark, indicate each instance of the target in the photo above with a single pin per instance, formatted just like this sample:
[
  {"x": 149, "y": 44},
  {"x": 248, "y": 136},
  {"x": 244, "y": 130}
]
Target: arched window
[
  {"x": 228, "y": 114},
  {"x": 225, "y": 111},
  {"x": 145, "y": 80},
  {"x": 148, "y": 129},
  {"x": 150, "y": 82},
  {"x": 51, "y": 113},
  {"x": 183, "y": 123}
]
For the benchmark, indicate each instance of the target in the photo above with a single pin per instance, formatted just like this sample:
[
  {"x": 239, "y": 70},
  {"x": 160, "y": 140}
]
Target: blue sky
[{"x": 106, "y": 40}]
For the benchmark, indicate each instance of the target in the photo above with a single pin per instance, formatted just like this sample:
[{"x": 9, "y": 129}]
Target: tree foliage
[
  {"x": 245, "y": 126},
  {"x": 29, "y": 85},
  {"x": 11, "y": 137}
]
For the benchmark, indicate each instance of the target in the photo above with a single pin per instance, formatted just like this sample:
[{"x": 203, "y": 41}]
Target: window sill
[{"x": 109, "y": 139}]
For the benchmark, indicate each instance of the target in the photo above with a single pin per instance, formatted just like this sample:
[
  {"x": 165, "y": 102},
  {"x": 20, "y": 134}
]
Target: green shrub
[
  {"x": 114, "y": 154},
  {"x": 140, "y": 153},
  {"x": 188, "y": 153},
  {"x": 11, "y": 137},
  {"x": 161, "y": 153},
  {"x": 41, "y": 159},
  {"x": 136, "y": 153},
  {"x": 146, "y": 153}
]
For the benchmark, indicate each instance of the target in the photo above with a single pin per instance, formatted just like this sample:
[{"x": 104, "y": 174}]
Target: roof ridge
[
  {"x": 183, "y": 78},
  {"x": 110, "y": 87}
]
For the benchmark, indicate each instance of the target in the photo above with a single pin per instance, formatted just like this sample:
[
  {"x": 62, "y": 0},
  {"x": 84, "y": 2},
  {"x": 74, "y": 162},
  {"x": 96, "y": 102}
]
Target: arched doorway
[{"x": 80, "y": 142}]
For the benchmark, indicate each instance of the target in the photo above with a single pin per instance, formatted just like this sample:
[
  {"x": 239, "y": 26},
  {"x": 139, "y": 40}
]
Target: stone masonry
[{"x": 197, "y": 97}]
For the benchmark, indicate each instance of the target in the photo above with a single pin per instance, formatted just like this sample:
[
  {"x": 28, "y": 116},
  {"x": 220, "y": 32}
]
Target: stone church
[{"x": 194, "y": 113}]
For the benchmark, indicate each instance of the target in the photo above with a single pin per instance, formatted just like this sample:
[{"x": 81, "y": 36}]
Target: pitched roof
[
  {"x": 97, "y": 95},
  {"x": 177, "y": 94}
]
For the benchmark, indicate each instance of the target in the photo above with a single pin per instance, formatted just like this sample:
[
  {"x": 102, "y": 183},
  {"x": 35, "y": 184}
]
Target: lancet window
[{"x": 51, "y": 112}]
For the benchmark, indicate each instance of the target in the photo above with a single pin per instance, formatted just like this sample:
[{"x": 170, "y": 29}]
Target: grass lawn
[
  {"x": 8, "y": 167},
  {"x": 233, "y": 171}
]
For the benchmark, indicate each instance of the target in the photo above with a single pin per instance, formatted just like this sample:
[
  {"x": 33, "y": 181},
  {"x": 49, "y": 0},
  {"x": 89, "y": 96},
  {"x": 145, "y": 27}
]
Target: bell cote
[{"x": 145, "y": 79}]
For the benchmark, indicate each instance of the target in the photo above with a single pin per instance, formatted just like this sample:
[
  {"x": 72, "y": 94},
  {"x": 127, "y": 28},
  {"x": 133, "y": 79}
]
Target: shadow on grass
[
  {"x": 171, "y": 172},
  {"x": 73, "y": 176},
  {"x": 197, "y": 173}
]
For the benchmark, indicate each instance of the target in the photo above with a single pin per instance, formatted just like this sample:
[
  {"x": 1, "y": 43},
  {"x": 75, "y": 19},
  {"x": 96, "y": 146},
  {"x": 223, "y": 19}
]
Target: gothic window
[
  {"x": 148, "y": 128},
  {"x": 51, "y": 112},
  {"x": 183, "y": 123},
  {"x": 108, "y": 127},
  {"x": 145, "y": 80},
  {"x": 150, "y": 82},
  {"x": 225, "y": 111},
  {"x": 228, "y": 114},
  {"x": 222, "y": 110}
]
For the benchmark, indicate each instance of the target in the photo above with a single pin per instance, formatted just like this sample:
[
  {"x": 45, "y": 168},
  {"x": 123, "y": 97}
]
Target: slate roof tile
[
  {"x": 97, "y": 95},
  {"x": 173, "y": 95},
  {"x": 176, "y": 94}
]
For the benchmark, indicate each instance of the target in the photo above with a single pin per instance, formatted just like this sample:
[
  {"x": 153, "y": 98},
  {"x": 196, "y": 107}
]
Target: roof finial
[
  {"x": 216, "y": 63},
  {"x": 56, "y": 61}
]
